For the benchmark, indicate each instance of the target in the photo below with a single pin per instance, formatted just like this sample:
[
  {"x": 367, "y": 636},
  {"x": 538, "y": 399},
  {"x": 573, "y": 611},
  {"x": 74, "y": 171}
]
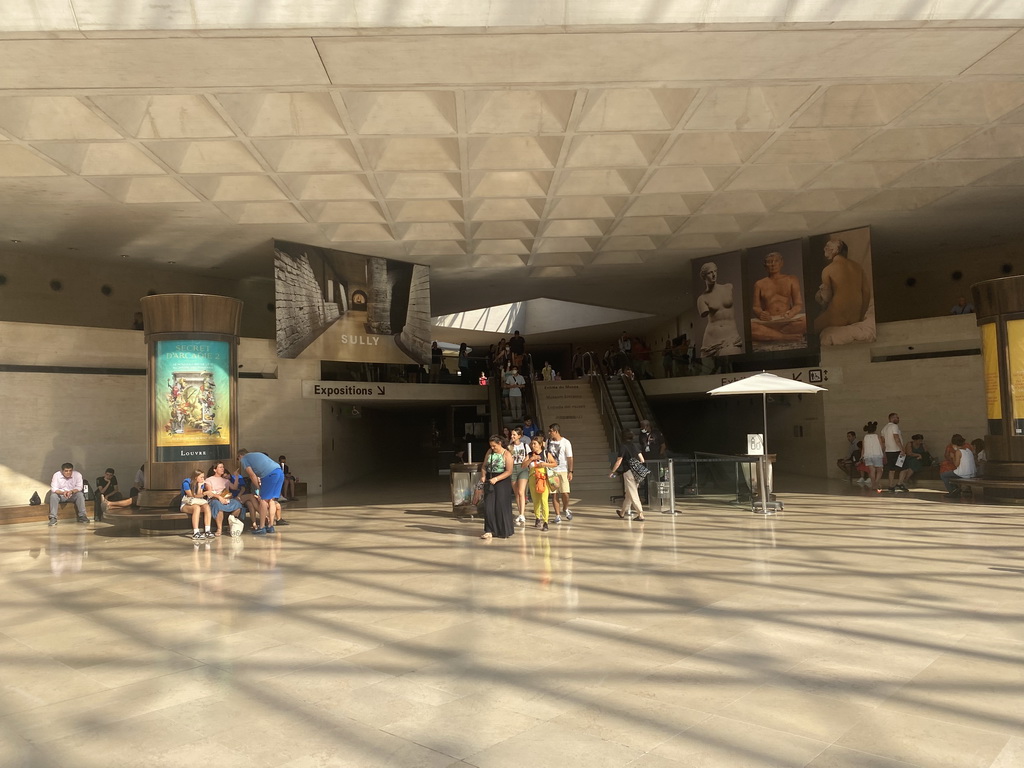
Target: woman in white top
[
  {"x": 520, "y": 473},
  {"x": 963, "y": 466},
  {"x": 872, "y": 455}
]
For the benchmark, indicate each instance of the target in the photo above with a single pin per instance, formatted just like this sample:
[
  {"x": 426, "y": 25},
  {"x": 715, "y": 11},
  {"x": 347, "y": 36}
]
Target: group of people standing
[
  {"x": 526, "y": 463},
  {"x": 884, "y": 451}
]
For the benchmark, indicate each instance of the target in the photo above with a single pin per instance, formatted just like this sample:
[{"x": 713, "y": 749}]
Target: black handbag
[{"x": 639, "y": 469}]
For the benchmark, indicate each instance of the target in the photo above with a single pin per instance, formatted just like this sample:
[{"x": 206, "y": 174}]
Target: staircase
[{"x": 571, "y": 405}]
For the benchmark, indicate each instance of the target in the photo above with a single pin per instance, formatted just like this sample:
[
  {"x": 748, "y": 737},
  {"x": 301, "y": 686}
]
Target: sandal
[
  {"x": 485, "y": 535},
  {"x": 620, "y": 513},
  {"x": 639, "y": 518}
]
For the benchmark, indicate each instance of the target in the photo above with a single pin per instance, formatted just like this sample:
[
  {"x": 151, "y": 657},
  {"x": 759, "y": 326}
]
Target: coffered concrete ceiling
[{"x": 574, "y": 150}]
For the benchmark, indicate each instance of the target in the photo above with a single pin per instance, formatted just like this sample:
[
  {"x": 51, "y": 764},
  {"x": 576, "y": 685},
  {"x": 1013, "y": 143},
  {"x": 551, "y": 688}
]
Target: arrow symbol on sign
[{"x": 380, "y": 390}]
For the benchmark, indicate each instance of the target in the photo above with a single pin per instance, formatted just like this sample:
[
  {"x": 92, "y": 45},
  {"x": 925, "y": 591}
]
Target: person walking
[
  {"x": 496, "y": 482},
  {"x": 537, "y": 464},
  {"x": 561, "y": 477},
  {"x": 519, "y": 448},
  {"x": 872, "y": 455},
  {"x": 629, "y": 453}
]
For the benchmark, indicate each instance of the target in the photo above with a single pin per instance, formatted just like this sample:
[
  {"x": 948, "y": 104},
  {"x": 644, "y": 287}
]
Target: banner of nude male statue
[
  {"x": 844, "y": 302},
  {"x": 718, "y": 286},
  {"x": 775, "y": 285},
  {"x": 335, "y": 305}
]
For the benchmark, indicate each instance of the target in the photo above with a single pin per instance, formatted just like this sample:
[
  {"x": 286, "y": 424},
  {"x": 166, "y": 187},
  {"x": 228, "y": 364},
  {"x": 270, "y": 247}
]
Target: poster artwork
[
  {"x": 844, "y": 301},
  {"x": 336, "y": 305},
  {"x": 717, "y": 283},
  {"x": 778, "y": 315},
  {"x": 192, "y": 400}
]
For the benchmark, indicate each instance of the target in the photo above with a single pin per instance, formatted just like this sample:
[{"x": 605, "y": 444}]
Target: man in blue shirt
[{"x": 268, "y": 479}]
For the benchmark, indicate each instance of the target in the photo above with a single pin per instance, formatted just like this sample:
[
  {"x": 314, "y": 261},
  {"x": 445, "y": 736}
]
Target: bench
[
  {"x": 35, "y": 513},
  {"x": 969, "y": 485}
]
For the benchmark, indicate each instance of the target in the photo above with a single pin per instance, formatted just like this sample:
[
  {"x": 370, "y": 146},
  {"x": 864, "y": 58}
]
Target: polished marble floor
[{"x": 376, "y": 630}]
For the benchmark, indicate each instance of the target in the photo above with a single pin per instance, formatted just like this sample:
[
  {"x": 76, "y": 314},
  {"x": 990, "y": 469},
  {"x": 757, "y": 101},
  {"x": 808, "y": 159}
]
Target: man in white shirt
[
  {"x": 560, "y": 476},
  {"x": 67, "y": 485},
  {"x": 514, "y": 384},
  {"x": 892, "y": 444}
]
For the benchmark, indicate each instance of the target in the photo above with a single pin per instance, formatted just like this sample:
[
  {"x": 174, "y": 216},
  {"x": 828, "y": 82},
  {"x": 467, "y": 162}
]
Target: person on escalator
[{"x": 514, "y": 383}]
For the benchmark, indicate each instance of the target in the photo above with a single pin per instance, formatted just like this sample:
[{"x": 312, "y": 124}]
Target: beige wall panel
[
  {"x": 655, "y": 56},
  {"x": 935, "y": 396},
  {"x": 167, "y": 63},
  {"x": 99, "y": 420}
]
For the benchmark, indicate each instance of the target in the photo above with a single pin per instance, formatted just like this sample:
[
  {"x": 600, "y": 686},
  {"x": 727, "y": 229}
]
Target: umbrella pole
[{"x": 764, "y": 455}]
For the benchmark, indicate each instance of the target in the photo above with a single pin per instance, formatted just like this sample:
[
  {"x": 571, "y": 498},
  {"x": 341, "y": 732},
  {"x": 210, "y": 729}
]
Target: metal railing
[{"x": 609, "y": 416}]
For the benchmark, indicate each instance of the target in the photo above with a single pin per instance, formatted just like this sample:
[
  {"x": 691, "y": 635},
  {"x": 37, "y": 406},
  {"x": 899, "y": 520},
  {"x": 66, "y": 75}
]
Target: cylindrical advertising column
[
  {"x": 193, "y": 377},
  {"x": 999, "y": 305}
]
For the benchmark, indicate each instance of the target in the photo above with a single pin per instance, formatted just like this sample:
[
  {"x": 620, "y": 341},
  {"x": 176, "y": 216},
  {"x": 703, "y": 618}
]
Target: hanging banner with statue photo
[
  {"x": 778, "y": 315},
  {"x": 718, "y": 286},
  {"x": 192, "y": 400},
  {"x": 335, "y": 305},
  {"x": 844, "y": 302}
]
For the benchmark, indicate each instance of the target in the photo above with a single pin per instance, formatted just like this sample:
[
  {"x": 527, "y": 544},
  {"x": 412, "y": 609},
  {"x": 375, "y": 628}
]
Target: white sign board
[{"x": 755, "y": 445}]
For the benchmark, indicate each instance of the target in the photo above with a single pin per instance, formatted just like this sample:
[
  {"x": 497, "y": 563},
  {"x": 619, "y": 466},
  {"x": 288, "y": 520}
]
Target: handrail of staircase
[
  {"x": 534, "y": 411},
  {"x": 609, "y": 416},
  {"x": 638, "y": 400},
  {"x": 494, "y": 404}
]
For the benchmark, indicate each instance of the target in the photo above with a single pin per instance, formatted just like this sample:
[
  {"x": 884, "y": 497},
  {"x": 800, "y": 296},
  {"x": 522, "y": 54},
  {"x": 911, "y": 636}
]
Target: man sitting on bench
[
  {"x": 66, "y": 486},
  {"x": 963, "y": 467}
]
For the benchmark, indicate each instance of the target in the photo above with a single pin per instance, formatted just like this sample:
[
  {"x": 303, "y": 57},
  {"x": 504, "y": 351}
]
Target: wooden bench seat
[
  {"x": 38, "y": 513},
  {"x": 979, "y": 484}
]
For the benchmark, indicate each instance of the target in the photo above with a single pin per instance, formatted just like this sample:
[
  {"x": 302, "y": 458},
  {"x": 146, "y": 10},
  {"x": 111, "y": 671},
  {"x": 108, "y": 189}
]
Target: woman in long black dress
[{"x": 496, "y": 479}]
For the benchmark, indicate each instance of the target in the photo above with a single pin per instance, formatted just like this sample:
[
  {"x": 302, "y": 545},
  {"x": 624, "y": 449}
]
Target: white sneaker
[
  {"x": 521, "y": 520},
  {"x": 568, "y": 515},
  {"x": 558, "y": 518}
]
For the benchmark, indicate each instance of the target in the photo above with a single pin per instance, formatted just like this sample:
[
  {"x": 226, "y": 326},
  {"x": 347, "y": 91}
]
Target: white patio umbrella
[{"x": 765, "y": 384}]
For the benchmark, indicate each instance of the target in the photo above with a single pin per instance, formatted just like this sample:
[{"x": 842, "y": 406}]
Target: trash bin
[{"x": 463, "y": 481}]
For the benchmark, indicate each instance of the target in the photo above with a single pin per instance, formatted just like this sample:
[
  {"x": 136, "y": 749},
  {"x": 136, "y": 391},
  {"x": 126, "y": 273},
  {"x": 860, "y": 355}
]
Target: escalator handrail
[
  {"x": 609, "y": 415},
  {"x": 638, "y": 400}
]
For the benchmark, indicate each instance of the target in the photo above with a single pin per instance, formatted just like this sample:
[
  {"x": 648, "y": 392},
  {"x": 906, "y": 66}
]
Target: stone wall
[
  {"x": 302, "y": 312},
  {"x": 414, "y": 338},
  {"x": 100, "y": 295}
]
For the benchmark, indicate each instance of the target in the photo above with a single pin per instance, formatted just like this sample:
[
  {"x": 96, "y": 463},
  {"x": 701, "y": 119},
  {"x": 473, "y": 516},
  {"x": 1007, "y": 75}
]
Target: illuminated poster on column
[
  {"x": 1015, "y": 346},
  {"x": 718, "y": 285},
  {"x": 844, "y": 302},
  {"x": 778, "y": 316},
  {"x": 990, "y": 360},
  {"x": 192, "y": 400}
]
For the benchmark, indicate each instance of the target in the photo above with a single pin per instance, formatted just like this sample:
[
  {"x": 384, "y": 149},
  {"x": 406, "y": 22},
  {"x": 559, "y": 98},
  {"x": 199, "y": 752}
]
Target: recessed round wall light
[
  {"x": 125, "y": 256},
  {"x": 1007, "y": 268},
  {"x": 15, "y": 241},
  {"x": 911, "y": 282},
  {"x": 55, "y": 285},
  {"x": 958, "y": 275},
  {"x": 106, "y": 290}
]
